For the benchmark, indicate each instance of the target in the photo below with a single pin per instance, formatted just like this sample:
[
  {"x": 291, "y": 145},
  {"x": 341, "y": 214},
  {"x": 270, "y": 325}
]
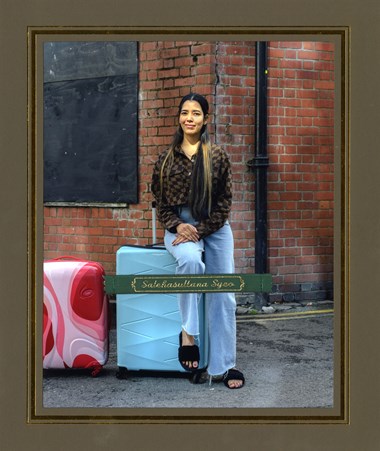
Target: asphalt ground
[{"x": 287, "y": 360}]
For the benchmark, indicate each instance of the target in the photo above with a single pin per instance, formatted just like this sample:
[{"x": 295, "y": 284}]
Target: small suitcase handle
[
  {"x": 67, "y": 257},
  {"x": 76, "y": 259}
]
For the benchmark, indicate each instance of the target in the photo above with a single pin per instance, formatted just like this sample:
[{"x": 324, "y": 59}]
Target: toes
[{"x": 191, "y": 364}]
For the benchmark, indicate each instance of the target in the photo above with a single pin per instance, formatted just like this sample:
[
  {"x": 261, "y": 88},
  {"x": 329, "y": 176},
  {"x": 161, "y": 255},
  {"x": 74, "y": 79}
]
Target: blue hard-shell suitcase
[{"x": 148, "y": 324}]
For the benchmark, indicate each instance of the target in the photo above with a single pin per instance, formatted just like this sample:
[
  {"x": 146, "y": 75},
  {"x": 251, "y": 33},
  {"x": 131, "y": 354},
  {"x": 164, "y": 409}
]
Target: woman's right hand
[{"x": 185, "y": 233}]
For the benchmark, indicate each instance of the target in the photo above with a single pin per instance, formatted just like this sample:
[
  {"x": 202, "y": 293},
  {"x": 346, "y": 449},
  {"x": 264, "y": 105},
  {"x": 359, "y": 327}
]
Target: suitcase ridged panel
[
  {"x": 75, "y": 315},
  {"x": 148, "y": 324}
]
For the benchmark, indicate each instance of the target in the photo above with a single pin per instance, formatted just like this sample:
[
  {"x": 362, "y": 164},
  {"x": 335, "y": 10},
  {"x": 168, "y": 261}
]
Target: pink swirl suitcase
[{"x": 75, "y": 313}]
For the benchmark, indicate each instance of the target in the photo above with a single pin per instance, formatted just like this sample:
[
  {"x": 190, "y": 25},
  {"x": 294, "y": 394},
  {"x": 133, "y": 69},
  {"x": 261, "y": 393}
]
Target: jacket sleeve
[
  {"x": 166, "y": 214},
  {"x": 222, "y": 199}
]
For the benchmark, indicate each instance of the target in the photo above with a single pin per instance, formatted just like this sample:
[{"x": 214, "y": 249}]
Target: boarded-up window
[{"x": 90, "y": 122}]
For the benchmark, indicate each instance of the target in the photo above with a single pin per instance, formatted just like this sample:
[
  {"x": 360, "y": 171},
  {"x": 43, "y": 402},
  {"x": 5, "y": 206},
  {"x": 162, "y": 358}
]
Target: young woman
[{"x": 191, "y": 184}]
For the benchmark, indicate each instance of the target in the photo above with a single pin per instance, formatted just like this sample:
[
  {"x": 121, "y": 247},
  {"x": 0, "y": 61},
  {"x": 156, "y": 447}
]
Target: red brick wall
[
  {"x": 301, "y": 172},
  {"x": 235, "y": 131},
  {"x": 300, "y": 148}
]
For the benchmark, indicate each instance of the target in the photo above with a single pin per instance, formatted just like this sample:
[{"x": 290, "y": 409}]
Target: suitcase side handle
[{"x": 146, "y": 246}]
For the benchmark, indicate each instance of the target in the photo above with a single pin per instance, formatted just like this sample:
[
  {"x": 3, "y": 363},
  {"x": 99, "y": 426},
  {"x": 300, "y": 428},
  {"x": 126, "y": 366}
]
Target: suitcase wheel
[
  {"x": 122, "y": 373},
  {"x": 199, "y": 377},
  {"x": 96, "y": 370}
]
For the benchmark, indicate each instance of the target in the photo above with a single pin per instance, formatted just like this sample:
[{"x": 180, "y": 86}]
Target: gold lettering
[{"x": 216, "y": 283}]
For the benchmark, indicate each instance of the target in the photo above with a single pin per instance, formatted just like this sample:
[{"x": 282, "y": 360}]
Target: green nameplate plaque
[{"x": 228, "y": 283}]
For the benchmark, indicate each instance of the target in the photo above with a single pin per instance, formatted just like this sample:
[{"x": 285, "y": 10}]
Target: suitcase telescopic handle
[{"x": 154, "y": 219}]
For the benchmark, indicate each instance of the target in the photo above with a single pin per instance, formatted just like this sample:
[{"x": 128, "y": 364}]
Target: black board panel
[{"x": 90, "y": 124}]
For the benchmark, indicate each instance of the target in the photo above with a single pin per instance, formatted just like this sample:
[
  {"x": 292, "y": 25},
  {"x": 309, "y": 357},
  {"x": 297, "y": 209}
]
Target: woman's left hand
[{"x": 186, "y": 233}]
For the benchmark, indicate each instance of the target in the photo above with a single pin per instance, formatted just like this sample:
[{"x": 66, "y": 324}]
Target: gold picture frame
[
  {"x": 358, "y": 428},
  {"x": 340, "y": 36}
]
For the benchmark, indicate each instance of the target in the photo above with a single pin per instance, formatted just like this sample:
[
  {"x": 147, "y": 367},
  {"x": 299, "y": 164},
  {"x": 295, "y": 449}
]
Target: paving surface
[{"x": 287, "y": 359}]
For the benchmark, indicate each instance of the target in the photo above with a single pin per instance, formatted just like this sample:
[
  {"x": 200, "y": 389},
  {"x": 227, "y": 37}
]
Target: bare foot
[
  {"x": 234, "y": 383},
  {"x": 188, "y": 340}
]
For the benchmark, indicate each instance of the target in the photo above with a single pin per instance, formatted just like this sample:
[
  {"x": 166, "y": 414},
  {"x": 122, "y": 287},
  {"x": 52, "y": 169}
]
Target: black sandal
[
  {"x": 188, "y": 354},
  {"x": 233, "y": 374}
]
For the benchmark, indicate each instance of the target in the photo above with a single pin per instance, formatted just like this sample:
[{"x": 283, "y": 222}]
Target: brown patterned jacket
[{"x": 176, "y": 191}]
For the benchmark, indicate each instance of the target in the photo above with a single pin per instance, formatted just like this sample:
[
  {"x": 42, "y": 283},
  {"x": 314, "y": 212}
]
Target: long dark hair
[{"x": 200, "y": 198}]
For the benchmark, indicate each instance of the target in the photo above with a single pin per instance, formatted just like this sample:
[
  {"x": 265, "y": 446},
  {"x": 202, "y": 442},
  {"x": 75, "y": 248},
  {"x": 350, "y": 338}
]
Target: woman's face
[{"x": 192, "y": 119}]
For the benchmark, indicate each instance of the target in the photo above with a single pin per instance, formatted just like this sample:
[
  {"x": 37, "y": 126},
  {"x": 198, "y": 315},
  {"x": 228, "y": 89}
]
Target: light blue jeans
[{"x": 218, "y": 258}]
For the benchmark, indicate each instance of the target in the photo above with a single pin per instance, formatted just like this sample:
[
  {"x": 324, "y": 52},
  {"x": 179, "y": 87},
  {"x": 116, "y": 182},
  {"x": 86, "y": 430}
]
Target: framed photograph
[
  {"x": 29, "y": 118},
  {"x": 307, "y": 136}
]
